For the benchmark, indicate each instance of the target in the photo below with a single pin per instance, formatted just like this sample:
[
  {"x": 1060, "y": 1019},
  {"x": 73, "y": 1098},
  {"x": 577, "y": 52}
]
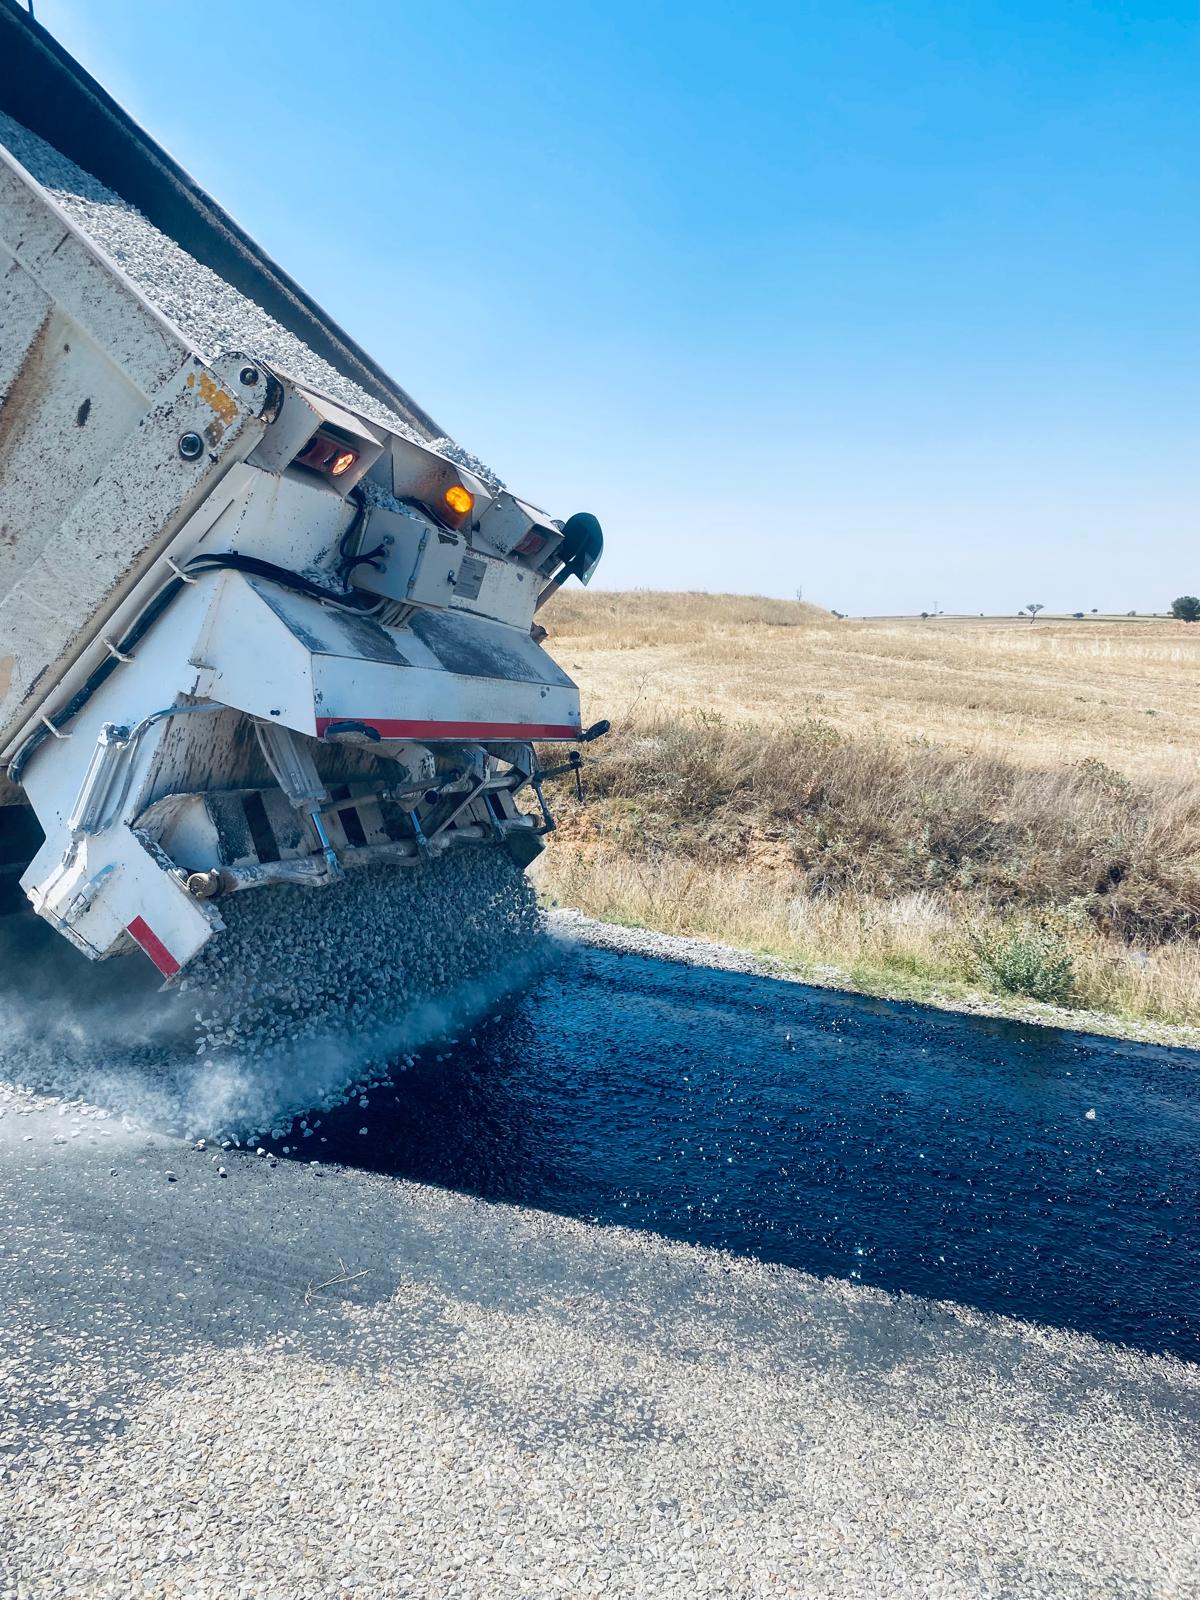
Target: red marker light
[
  {"x": 531, "y": 545},
  {"x": 326, "y": 455}
]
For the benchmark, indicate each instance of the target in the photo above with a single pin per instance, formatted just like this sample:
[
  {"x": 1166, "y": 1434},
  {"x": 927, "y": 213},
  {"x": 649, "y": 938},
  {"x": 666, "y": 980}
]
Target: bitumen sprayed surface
[
  {"x": 1018, "y": 1169},
  {"x": 297, "y": 1379}
]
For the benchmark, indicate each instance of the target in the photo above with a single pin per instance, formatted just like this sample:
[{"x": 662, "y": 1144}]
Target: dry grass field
[
  {"x": 951, "y": 806},
  {"x": 1123, "y": 692}
]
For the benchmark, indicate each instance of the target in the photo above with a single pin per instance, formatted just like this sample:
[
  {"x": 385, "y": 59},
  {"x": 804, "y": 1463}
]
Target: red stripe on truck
[
  {"x": 389, "y": 728},
  {"x": 141, "y": 931}
]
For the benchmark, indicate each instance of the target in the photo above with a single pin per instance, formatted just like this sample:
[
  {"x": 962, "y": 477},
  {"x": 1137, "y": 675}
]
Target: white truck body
[{"x": 249, "y": 633}]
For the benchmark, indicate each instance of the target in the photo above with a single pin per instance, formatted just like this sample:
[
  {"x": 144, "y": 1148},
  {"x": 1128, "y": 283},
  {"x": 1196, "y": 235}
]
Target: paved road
[
  {"x": 1026, "y": 1170},
  {"x": 297, "y": 1380}
]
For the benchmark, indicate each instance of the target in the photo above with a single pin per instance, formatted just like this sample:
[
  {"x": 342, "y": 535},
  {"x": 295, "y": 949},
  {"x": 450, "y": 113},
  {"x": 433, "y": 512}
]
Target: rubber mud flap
[
  {"x": 21, "y": 838},
  {"x": 523, "y": 847}
]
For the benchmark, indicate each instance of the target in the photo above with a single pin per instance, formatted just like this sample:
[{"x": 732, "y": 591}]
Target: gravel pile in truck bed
[{"x": 209, "y": 312}]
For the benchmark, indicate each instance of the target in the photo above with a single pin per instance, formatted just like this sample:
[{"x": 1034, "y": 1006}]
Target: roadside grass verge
[
  {"x": 904, "y": 864},
  {"x": 916, "y": 947}
]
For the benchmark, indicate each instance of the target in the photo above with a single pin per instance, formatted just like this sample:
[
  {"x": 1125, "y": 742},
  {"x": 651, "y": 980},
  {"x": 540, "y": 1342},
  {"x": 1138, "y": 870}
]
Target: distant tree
[
  {"x": 924, "y": 616},
  {"x": 1020, "y": 613},
  {"x": 1186, "y": 608},
  {"x": 1033, "y": 607},
  {"x": 1078, "y": 615},
  {"x": 1095, "y": 611}
]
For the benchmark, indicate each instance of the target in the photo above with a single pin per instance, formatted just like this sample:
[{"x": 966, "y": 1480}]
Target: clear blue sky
[{"x": 893, "y": 303}]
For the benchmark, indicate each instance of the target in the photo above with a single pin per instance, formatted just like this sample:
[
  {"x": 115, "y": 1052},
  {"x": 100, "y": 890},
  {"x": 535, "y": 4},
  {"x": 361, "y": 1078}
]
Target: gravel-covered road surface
[{"x": 296, "y": 1380}]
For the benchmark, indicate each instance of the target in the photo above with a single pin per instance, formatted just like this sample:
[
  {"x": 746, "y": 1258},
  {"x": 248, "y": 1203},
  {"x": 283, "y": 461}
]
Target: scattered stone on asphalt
[
  {"x": 485, "y": 1401},
  {"x": 373, "y": 969}
]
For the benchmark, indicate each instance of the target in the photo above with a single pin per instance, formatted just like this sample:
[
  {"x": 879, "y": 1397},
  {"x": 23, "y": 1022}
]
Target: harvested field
[
  {"x": 993, "y": 806},
  {"x": 1119, "y": 691}
]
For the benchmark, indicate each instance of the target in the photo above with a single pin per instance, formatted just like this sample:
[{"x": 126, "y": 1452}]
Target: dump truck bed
[
  {"x": 209, "y": 314},
  {"x": 261, "y": 626},
  {"x": 102, "y": 312}
]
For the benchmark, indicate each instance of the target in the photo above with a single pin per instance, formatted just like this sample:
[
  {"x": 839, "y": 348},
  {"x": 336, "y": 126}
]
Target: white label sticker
[{"x": 470, "y": 578}]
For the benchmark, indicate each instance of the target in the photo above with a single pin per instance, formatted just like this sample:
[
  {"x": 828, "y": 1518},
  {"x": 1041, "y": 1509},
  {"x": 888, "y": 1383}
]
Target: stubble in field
[{"x": 1121, "y": 691}]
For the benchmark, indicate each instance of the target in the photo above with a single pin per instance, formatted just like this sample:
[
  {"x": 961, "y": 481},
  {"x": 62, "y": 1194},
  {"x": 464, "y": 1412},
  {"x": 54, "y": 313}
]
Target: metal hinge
[{"x": 417, "y": 563}]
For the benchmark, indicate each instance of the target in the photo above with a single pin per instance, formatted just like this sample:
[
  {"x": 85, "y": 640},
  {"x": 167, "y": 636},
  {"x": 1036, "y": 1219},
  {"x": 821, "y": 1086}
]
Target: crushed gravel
[
  {"x": 301, "y": 1382},
  {"x": 209, "y": 312},
  {"x": 464, "y": 458},
  {"x": 298, "y": 1005},
  {"x": 343, "y": 959}
]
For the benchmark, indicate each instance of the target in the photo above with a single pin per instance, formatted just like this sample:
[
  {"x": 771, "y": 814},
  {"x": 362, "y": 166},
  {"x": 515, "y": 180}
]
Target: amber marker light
[
  {"x": 342, "y": 462},
  {"x": 459, "y": 500}
]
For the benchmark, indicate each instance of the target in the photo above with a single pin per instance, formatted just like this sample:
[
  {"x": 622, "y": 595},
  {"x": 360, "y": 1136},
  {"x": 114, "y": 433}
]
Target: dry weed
[{"x": 894, "y": 797}]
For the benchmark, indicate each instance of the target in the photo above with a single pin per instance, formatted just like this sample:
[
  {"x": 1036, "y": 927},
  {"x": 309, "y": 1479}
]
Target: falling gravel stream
[{"x": 1017, "y": 1169}]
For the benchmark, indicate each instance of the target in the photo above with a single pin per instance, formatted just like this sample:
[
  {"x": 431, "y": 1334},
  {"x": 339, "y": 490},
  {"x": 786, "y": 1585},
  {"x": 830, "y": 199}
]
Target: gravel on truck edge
[{"x": 206, "y": 310}]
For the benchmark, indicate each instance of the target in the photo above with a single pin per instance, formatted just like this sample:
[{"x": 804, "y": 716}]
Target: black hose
[
  {"x": 282, "y": 575},
  {"x": 149, "y": 615},
  {"x": 141, "y": 625},
  {"x": 356, "y": 527},
  {"x": 371, "y": 559}
]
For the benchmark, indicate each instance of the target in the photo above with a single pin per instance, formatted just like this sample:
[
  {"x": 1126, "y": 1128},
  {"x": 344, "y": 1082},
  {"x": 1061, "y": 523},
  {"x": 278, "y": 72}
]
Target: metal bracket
[
  {"x": 296, "y": 774},
  {"x": 548, "y": 822},
  {"x": 417, "y": 563}
]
